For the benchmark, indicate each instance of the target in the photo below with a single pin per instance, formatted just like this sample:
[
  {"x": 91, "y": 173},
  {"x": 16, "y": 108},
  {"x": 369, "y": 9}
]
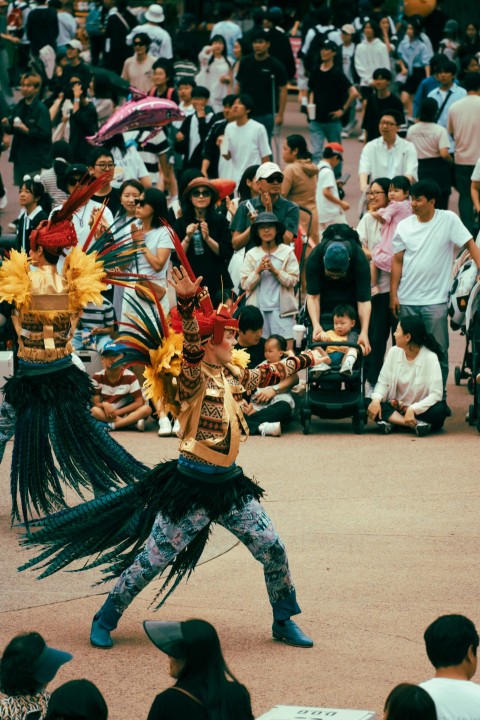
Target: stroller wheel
[
  {"x": 471, "y": 385},
  {"x": 471, "y": 415},
  {"x": 458, "y": 375},
  {"x": 305, "y": 417}
]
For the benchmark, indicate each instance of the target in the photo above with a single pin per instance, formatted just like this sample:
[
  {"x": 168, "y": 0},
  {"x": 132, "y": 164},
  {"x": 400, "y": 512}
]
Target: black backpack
[{"x": 311, "y": 58}]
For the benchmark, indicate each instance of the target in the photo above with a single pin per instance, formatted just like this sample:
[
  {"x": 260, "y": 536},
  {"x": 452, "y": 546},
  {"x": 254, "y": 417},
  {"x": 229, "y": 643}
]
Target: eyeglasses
[
  {"x": 72, "y": 83},
  {"x": 388, "y": 124},
  {"x": 374, "y": 193},
  {"x": 277, "y": 178},
  {"x": 201, "y": 193},
  {"x": 139, "y": 202},
  {"x": 105, "y": 166}
]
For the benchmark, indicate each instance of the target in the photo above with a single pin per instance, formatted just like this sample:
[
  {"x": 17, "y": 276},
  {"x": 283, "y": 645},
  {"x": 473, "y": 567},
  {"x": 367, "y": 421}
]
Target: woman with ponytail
[
  {"x": 409, "y": 389},
  {"x": 204, "y": 687}
]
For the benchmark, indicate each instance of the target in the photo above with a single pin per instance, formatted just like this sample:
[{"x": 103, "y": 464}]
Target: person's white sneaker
[
  {"x": 140, "y": 424},
  {"x": 347, "y": 365},
  {"x": 164, "y": 427},
  {"x": 270, "y": 428},
  {"x": 176, "y": 428},
  {"x": 3, "y": 201},
  {"x": 362, "y": 136},
  {"x": 322, "y": 367}
]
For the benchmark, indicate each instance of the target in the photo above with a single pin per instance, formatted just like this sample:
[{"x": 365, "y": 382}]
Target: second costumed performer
[{"x": 165, "y": 519}]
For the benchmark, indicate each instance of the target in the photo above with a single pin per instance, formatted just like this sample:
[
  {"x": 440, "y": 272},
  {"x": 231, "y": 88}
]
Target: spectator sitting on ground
[
  {"x": 409, "y": 702},
  {"x": 269, "y": 178},
  {"x": 344, "y": 319},
  {"x": 118, "y": 399},
  {"x": 204, "y": 685},
  {"x": 338, "y": 272},
  {"x": 269, "y": 274},
  {"x": 250, "y": 327},
  {"x": 272, "y": 406},
  {"x": 26, "y": 667},
  {"x": 408, "y": 392},
  {"x": 77, "y": 700},
  {"x": 451, "y": 643}
]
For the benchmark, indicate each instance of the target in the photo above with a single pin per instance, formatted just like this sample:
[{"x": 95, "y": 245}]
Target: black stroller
[
  {"x": 472, "y": 325},
  {"x": 335, "y": 395}
]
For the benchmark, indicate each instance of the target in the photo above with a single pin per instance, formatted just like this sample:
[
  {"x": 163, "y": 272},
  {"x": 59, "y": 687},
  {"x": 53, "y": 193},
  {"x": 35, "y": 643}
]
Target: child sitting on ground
[
  {"x": 344, "y": 320},
  {"x": 118, "y": 399},
  {"x": 271, "y": 406},
  {"x": 398, "y": 208},
  {"x": 95, "y": 327}
]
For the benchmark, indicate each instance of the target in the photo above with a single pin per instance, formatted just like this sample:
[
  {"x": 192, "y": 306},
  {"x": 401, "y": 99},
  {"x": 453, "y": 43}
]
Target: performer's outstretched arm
[{"x": 265, "y": 375}]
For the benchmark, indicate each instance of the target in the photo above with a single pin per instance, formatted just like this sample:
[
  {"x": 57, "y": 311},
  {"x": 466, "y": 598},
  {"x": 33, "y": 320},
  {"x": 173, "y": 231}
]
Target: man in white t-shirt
[
  {"x": 329, "y": 205},
  {"x": 245, "y": 141},
  {"x": 451, "y": 643},
  {"x": 423, "y": 247},
  {"x": 161, "y": 42}
]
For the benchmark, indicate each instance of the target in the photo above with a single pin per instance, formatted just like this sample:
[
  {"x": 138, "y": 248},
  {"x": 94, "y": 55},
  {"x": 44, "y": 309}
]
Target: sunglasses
[
  {"x": 277, "y": 178},
  {"x": 139, "y": 202},
  {"x": 201, "y": 193},
  {"x": 138, "y": 44}
]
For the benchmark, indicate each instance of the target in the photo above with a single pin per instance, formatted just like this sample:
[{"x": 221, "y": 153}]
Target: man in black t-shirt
[
  {"x": 100, "y": 162},
  {"x": 265, "y": 80},
  {"x": 332, "y": 93},
  {"x": 250, "y": 325},
  {"x": 380, "y": 103},
  {"x": 338, "y": 273}
]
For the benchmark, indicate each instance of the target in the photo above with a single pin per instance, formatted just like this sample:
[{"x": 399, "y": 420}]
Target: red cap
[{"x": 336, "y": 147}]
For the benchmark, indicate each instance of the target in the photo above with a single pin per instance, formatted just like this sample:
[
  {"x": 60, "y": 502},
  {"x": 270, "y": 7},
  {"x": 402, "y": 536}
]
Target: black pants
[
  {"x": 277, "y": 412},
  {"x": 382, "y": 323},
  {"x": 435, "y": 415}
]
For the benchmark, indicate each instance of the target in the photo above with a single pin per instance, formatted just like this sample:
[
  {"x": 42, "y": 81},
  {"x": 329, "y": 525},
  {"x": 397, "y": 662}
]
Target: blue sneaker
[{"x": 291, "y": 634}]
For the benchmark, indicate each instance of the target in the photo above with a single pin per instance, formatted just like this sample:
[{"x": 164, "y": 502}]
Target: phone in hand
[
  {"x": 343, "y": 180},
  {"x": 250, "y": 208}
]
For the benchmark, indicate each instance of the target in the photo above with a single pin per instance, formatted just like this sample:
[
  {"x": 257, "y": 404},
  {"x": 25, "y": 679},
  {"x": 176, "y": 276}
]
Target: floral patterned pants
[{"x": 251, "y": 525}]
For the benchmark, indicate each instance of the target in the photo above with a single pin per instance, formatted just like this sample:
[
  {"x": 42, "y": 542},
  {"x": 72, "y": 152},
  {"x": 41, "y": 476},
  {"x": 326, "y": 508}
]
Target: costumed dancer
[
  {"x": 47, "y": 403},
  {"x": 166, "y": 518}
]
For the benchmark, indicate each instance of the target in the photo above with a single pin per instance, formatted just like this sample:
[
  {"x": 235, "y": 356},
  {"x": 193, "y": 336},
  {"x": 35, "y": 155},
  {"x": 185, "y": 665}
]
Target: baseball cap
[
  {"x": 348, "y": 29},
  {"x": 76, "y": 171},
  {"x": 75, "y": 44},
  {"x": 48, "y": 663},
  {"x": 266, "y": 169},
  {"x": 166, "y": 636},
  {"x": 336, "y": 147},
  {"x": 329, "y": 45},
  {"x": 336, "y": 258},
  {"x": 112, "y": 348}
]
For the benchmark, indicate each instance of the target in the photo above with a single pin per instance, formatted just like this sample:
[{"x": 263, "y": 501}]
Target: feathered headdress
[{"x": 58, "y": 233}]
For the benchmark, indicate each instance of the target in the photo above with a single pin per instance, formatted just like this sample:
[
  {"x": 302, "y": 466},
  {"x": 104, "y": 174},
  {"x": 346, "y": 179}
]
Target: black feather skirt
[
  {"x": 57, "y": 442},
  {"x": 110, "y": 531}
]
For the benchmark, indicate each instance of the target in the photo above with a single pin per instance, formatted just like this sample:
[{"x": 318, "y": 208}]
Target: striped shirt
[
  {"x": 120, "y": 393},
  {"x": 151, "y": 150},
  {"x": 97, "y": 316}
]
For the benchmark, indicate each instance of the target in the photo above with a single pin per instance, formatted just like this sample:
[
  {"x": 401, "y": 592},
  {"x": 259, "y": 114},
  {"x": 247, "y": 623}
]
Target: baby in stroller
[{"x": 344, "y": 319}]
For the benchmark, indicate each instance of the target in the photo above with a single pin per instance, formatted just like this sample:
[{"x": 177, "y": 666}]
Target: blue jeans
[
  {"x": 435, "y": 318},
  {"x": 321, "y": 132}
]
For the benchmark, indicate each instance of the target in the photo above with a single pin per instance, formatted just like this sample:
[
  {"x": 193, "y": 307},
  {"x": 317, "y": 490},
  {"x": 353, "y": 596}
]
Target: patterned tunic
[{"x": 17, "y": 707}]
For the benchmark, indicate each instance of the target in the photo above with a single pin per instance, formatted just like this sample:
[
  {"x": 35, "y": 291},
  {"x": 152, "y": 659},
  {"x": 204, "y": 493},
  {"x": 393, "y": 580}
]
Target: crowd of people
[
  {"x": 415, "y": 84},
  {"x": 206, "y": 200},
  {"x": 205, "y": 687}
]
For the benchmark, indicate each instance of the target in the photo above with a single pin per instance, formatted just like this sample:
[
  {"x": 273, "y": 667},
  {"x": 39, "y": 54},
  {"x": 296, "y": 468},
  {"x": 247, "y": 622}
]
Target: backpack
[
  {"x": 312, "y": 57},
  {"x": 93, "y": 23}
]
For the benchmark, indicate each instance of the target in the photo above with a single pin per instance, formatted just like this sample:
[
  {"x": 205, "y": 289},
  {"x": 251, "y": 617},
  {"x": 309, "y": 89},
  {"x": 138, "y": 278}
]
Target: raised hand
[{"x": 184, "y": 287}]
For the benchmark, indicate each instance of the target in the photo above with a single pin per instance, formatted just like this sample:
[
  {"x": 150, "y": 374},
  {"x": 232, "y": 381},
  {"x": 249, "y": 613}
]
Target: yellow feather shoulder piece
[
  {"x": 240, "y": 358},
  {"x": 166, "y": 364},
  {"x": 84, "y": 274},
  {"x": 15, "y": 282}
]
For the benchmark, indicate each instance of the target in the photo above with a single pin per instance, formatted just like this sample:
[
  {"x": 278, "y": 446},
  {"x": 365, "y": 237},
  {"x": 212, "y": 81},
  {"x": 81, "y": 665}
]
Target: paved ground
[{"x": 382, "y": 534}]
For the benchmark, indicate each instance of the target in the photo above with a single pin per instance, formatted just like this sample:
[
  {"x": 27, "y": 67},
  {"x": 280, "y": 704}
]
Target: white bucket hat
[{"x": 155, "y": 14}]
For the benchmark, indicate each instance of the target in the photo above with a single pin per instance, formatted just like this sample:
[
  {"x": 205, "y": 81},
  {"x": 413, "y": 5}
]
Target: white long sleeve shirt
[{"x": 416, "y": 383}]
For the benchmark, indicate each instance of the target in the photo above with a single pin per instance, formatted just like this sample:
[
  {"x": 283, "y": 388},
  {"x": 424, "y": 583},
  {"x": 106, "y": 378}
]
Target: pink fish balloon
[{"x": 146, "y": 113}]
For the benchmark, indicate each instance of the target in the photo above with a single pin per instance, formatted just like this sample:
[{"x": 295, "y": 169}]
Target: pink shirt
[{"x": 394, "y": 212}]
